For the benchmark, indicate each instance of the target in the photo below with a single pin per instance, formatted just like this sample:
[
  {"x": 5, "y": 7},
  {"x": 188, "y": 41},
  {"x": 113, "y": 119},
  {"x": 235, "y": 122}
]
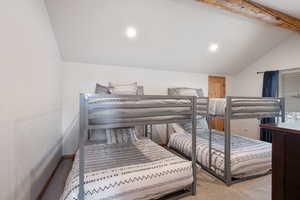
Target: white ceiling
[
  {"x": 172, "y": 35},
  {"x": 291, "y": 7}
]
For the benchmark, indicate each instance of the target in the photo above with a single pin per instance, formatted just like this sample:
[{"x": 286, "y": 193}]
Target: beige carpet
[{"x": 209, "y": 188}]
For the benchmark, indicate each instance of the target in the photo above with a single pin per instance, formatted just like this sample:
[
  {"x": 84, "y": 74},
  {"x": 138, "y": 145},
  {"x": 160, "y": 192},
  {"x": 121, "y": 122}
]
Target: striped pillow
[
  {"x": 186, "y": 92},
  {"x": 121, "y": 135}
]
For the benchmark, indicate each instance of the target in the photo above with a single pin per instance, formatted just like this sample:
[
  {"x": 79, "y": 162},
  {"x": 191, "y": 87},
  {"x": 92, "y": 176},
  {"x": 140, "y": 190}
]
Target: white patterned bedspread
[
  {"x": 141, "y": 170},
  {"x": 248, "y": 156}
]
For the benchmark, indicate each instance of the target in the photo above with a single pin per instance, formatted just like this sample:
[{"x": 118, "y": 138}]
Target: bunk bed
[
  {"x": 133, "y": 170},
  {"x": 229, "y": 157}
]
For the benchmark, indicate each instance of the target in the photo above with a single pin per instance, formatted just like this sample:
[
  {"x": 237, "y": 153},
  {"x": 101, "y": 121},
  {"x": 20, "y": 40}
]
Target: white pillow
[
  {"x": 124, "y": 89},
  {"x": 177, "y": 128},
  {"x": 201, "y": 124}
]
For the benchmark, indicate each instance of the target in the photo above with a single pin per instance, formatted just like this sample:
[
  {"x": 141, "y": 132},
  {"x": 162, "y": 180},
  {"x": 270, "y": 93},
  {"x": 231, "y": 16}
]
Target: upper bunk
[
  {"x": 247, "y": 107},
  {"x": 103, "y": 111},
  {"x": 234, "y": 107}
]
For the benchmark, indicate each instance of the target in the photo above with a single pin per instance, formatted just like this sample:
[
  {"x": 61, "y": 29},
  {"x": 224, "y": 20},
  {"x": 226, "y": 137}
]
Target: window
[{"x": 290, "y": 89}]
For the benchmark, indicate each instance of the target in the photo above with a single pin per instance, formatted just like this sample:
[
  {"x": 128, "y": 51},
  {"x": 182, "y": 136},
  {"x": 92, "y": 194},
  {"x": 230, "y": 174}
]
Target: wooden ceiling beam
[{"x": 257, "y": 11}]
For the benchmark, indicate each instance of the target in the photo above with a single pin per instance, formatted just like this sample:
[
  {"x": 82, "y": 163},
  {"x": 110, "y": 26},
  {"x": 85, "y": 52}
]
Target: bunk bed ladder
[
  {"x": 83, "y": 120},
  {"x": 227, "y": 164},
  {"x": 210, "y": 140},
  {"x": 194, "y": 129}
]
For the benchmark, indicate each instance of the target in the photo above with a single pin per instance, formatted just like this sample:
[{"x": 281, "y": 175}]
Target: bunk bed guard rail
[
  {"x": 102, "y": 111},
  {"x": 255, "y": 107}
]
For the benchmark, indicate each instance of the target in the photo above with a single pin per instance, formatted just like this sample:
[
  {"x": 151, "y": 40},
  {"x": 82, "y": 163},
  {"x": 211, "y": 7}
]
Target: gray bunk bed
[
  {"x": 107, "y": 112},
  {"x": 236, "y": 108},
  {"x": 209, "y": 144}
]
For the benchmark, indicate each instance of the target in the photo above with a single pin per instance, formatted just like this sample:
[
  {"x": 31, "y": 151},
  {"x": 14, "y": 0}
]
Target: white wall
[
  {"x": 80, "y": 77},
  {"x": 30, "y": 105},
  {"x": 249, "y": 83}
]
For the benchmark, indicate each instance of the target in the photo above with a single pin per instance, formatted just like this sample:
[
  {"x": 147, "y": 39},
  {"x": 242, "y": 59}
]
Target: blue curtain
[{"x": 270, "y": 89}]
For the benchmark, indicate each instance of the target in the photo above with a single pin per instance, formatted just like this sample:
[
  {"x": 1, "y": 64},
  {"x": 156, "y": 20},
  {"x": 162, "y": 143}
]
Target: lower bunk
[
  {"x": 249, "y": 157},
  {"x": 138, "y": 170}
]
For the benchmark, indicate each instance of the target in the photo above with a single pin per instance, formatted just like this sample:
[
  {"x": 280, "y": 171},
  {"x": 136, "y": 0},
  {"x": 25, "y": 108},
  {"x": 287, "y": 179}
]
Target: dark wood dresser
[{"x": 285, "y": 161}]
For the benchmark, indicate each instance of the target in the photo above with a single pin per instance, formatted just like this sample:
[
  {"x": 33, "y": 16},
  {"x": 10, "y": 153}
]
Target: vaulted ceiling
[
  {"x": 171, "y": 34},
  {"x": 291, "y": 7}
]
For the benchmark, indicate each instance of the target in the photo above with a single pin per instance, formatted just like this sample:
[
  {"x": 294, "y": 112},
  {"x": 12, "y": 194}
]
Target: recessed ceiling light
[
  {"x": 131, "y": 32},
  {"x": 213, "y": 47}
]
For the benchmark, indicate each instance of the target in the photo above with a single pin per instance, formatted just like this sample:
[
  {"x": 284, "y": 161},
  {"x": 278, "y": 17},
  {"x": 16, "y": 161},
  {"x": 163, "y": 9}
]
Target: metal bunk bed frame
[
  {"x": 85, "y": 127},
  {"x": 228, "y": 116},
  {"x": 231, "y": 115}
]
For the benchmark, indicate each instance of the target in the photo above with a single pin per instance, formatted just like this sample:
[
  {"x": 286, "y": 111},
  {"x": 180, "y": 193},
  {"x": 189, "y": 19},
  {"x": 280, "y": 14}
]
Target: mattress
[
  {"x": 217, "y": 106},
  {"x": 117, "y": 110},
  {"x": 136, "y": 101},
  {"x": 248, "y": 156},
  {"x": 123, "y": 110},
  {"x": 140, "y": 170}
]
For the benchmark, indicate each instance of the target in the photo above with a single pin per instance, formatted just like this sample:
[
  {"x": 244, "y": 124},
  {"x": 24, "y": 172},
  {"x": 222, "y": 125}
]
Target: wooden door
[{"x": 216, "y": 89}]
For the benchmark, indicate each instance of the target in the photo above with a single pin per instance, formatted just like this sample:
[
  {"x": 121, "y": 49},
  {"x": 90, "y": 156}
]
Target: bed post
[
  {"x": 194, "y": 129},
  {"x": 210, "y": 142},
  {"x": 82, "y": 130},
  {"x": 149, "y": 127},
  {"x": 209, "y": 121},
  {"x": 167, "y": 134},
  {"x": 282, "y": 106},
  {"x": 145, "y": 131},
  {"x": 227, "y": 167}
]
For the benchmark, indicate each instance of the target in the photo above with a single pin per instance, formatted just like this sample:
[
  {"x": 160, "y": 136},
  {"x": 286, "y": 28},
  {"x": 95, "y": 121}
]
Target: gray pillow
[
  {"x": 100, "y": 89},
  {"x": 184, "y": 91}
]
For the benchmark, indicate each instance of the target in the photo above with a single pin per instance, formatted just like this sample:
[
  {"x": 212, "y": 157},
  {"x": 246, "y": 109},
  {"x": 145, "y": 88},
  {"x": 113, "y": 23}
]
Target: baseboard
[
  {"x": 49, "y": 180},
  {"x": 69, "y": 157}
]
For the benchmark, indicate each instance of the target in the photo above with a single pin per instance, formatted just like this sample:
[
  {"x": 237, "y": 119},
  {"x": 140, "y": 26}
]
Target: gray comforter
[{"x": 248, "y": 157}]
